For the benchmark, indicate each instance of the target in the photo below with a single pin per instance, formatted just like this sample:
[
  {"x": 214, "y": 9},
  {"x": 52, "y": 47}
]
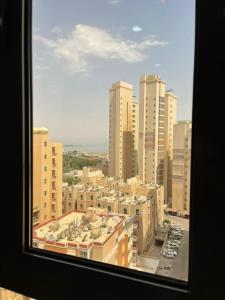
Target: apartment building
[
  {"x": 142, "y": 211},
  {"x": 122, "y": 131},
  {"x": 90, "y": 175},
  {"x": 181, "y": 166},
  {"x": 87, "y": 196},
  {"x": 92, "y": 235},
  {"x": 110, "y": 183},
  {"x": 157, "y": 114},
  {"x": 10, "y": 295},
  {"x": 69, "y": 197},
  {"x": 47, "y": 177}
]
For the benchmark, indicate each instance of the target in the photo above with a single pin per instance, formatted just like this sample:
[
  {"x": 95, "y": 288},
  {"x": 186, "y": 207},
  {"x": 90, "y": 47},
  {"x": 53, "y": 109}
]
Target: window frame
[{"x": 46, "y": 275}]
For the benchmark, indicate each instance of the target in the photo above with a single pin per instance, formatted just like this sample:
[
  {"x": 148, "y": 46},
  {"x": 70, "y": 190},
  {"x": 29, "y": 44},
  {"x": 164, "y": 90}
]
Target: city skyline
[{"x": 66, "y": 87}]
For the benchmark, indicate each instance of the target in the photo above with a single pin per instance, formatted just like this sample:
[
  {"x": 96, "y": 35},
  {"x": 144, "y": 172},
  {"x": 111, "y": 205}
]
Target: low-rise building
[
  {"x": 87, "y": 196},
  {"x": 96, "y": 235},
  {"x": 90, "y": 175}
]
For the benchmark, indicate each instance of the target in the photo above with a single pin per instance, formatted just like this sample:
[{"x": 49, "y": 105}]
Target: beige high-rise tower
[
  {"x": 170, "y": 120},
  {"x": 47, "y": 177},
  {"x": 157, "y": 114},
  {"x": 181, "y": 166},
  {"x": 123, "y": 128}
]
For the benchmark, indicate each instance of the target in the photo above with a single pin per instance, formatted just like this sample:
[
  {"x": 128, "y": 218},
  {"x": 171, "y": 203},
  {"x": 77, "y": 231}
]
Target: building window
[
  {"x": 99, "y": 205},
  {"x": 81, "y": 197},
  {"x": 45, "y": 144},
  {"x": 81, "y": 206},
  {"x": 137, "y": 212},
  {"x": 109, "y": 209},
  {"x": 125, "y": 211},
  {"x": 92, "y": 198}
]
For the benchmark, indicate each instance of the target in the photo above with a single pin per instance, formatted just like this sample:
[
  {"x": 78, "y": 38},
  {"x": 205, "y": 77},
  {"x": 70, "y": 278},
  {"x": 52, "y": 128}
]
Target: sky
[{"x": 80, "y": 47}]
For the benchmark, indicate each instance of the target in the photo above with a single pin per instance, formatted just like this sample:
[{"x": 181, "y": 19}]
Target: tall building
[
  {"x": 157, "y": 114},
  {"x": 181, "y": 166},
  {"x": 122, "y": 131},
  {"x": 170, "y": 120},
  {"x": 47, "y": 177}
]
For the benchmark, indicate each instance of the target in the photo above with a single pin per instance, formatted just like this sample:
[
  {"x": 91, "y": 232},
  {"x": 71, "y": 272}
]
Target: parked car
[
  {"x": 177, "y": 237},
  {"x": 176, "y": 241},
  {"x": 173, "y": 244},
  {"x": 169, "y": 255}
]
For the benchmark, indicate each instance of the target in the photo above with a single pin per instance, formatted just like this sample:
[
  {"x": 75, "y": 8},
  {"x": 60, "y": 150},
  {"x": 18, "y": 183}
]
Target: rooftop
[{"x": 80, "y": 229}]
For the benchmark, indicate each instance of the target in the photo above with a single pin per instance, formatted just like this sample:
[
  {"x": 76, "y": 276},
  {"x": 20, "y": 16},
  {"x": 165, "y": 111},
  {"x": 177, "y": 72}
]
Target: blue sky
[{"x": 80, "y": 47}]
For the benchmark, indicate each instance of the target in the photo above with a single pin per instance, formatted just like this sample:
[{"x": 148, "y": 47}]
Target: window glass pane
[{"x": 112, "y": 102}]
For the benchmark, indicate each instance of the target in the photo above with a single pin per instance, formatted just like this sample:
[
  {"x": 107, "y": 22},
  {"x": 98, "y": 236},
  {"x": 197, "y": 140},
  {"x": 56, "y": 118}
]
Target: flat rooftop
[{"x": 79, "y": 229}]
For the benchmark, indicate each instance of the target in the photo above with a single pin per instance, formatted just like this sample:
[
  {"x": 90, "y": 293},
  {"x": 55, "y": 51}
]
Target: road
[
  {"x": 179, "y": 264},
  {"x": 183, "y": 222}
]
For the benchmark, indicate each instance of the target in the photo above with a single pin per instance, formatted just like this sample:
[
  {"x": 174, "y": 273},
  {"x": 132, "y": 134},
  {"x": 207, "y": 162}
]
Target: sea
[{"x": 88, "y": 148}]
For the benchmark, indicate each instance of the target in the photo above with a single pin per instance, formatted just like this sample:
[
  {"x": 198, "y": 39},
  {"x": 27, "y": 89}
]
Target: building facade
[
  {"x": 93, "y": 235},
  {"x": 47, "y": 177},
  {"x": 157, "y": 114},
  {"x": 122, "y": 131},
  {"x": 181, "y": 166}
]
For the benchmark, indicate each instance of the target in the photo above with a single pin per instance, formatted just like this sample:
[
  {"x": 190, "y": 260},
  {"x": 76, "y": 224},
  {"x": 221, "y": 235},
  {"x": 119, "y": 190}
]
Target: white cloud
[
  {"x": 57, "y": 29},
  {"x": 137, "y": 28},
  {"x": 87, "y": 41},
  {"x": 114, "y": 2},
  {"x": 157, "y": 65}
]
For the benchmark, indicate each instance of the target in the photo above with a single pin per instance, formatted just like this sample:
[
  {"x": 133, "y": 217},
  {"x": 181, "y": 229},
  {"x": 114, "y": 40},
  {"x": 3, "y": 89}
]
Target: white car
[
  {"x": 169, "y": 255},
  {"x": 176, "y": 241},
  {"x": 169, "y": 251},
  {"x": 173, "y": 244},
  {"x": 172, "y": 247}
]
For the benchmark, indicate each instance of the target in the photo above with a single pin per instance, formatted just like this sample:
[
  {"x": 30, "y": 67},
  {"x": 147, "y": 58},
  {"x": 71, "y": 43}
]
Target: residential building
[
  {"x": 142, "y": 211},
  {"x": 87, "y": 196},
  {"x": 47, "y": 177},
  {"x": 181, "y": 166},
  {"x": 69, "y": 198},
  {"x": 93, "y": 235},
  {"x": 122, "y": 131},
  {"x": 10, "y": 295},
  {"x": 157, "y": 114},
  {"x": 90, "y": 175}
]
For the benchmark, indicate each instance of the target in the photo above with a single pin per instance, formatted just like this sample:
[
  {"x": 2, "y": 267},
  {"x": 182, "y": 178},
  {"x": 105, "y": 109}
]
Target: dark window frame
[{"x": 45, "y": 275}]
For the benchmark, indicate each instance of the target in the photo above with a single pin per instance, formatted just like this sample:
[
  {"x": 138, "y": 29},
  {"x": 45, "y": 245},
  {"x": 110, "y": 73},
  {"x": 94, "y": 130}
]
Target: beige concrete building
[
  {"x": 109, "y": 201},
  {"x": 87, "y": 197},
  {"x": 90, "y": 175},
  {"x": 47, "y": 177},
  {"x": 122, "y": 131},
  {"x": 69, "y": 198},
  {"x": 93, "y": 235},
  {"x": 170, "y": 120},
  {"x": 110, "y": 183},
  {"x": 157, "y": 114},
  {"x": 181, "y": 166},
  {"x": 142, "y": 211},
  {"x": 9, "y": 295}
]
